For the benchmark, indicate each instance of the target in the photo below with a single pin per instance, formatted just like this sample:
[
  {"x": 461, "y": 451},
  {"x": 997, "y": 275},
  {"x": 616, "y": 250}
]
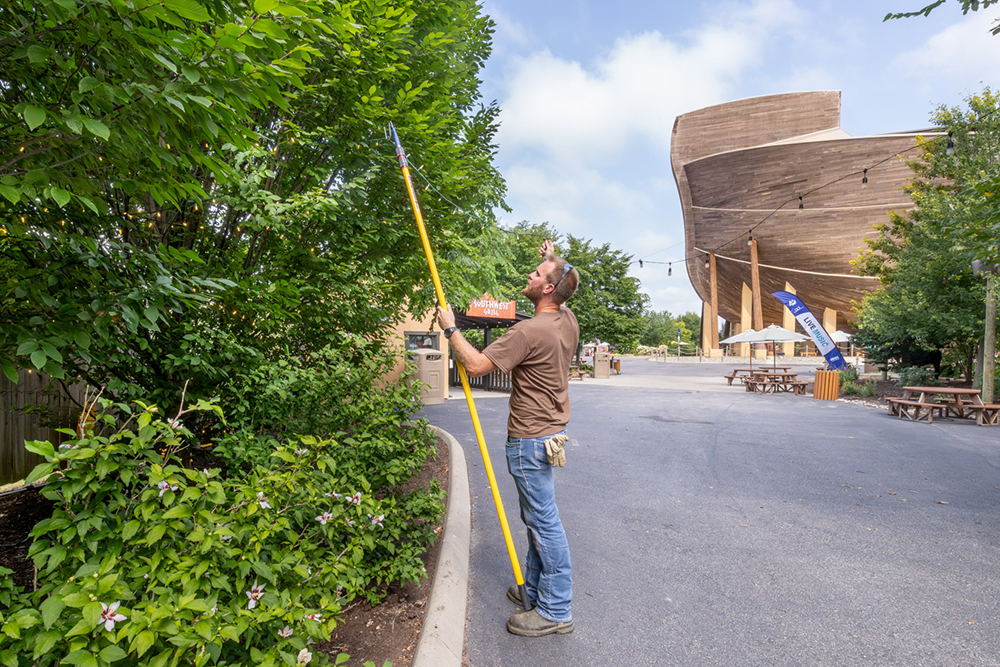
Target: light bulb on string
[
  {"x": 707, "y": 262},
  {"x": 750, "y": 239},
  {"x": 801, "y": 205},
  {"x": 864, "y": 180},
  {"x": 950, "y": 150},
  {"x": 670, "y": 268}
]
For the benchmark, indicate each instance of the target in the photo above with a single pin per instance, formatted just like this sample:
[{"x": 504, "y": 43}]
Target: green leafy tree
[
  {"x": 521, "y": 257},
  {"x": 244, "y": 202},
  {"x": 929, "y": 298},
  {"x": 608, "y": 302},
  {"x": 967, "y": 6},
  {"x": 658, "y": 327},
  {"x": 661, "y": 329}
]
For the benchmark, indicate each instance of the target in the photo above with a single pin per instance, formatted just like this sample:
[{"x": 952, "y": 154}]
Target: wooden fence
[
  {"x": 494, "y": 381},
  {"x": 31, "y": 410}
]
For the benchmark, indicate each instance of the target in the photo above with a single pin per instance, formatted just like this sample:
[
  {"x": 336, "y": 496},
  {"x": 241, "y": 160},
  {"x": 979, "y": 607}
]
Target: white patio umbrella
[
  {"x": 840, "y": 337},
  {"x": 742, "y": 337},
  {"x": 776, "y": 334},
  {"x": 739, "y": 338}
]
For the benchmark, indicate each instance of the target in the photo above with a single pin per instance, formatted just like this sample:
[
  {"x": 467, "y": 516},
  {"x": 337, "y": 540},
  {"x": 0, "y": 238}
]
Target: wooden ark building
[{"x": 775, "y": 196}]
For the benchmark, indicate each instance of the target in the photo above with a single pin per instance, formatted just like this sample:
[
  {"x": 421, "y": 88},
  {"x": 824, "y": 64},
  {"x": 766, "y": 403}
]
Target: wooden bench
[
  {"x": 987, "y": 414},
  {"x": 799, "y": 387},
  {"x": 735, "y": 376},
  {"x": 914, "y": 410},
  {"x": 575, "y": 372},
  {"x": 764, "y": 386}
]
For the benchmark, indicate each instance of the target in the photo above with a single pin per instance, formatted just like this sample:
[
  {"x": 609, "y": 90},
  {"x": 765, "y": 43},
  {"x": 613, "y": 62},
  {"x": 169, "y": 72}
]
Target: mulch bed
[
  {"x": 388, "y": 631},
  {"x": 886, "y": 389}
]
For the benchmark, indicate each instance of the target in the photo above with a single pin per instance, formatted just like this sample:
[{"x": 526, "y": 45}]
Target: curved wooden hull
[{"x": 744, "y": 162}]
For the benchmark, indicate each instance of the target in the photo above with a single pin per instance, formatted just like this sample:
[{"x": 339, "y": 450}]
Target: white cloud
[
  {"x": 960, "y": 56},
  {"x": 571, "y": 111}
]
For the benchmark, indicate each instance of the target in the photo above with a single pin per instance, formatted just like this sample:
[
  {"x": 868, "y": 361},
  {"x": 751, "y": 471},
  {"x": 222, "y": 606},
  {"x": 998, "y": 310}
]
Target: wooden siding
[
  {"x": 31, "y": 410},
  {"x": 731, "y": 175}
]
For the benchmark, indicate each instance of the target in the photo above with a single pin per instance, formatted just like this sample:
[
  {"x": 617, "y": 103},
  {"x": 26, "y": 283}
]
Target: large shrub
[{"x": 147, "y": 562}]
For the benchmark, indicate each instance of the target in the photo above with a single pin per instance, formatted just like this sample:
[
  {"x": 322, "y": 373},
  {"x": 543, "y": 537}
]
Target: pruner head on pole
[{"x": 400, "y": 155}]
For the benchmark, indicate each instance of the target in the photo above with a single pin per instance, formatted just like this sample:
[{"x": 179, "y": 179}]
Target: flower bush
[{"x": 147, "y": 562}]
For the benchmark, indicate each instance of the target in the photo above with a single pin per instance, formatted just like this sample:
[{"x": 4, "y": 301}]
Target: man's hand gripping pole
[{"x": 518, "y": 577}]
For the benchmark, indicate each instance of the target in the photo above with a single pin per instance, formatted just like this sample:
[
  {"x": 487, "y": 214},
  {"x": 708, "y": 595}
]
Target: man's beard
[{"x": 534, "y": 295}]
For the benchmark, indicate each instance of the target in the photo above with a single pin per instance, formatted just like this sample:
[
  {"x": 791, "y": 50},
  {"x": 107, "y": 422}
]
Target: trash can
[
  {"x": 433, "y": 372},
  {"x": 602, "y": 365},
  {"x": 827, "y": 385}
]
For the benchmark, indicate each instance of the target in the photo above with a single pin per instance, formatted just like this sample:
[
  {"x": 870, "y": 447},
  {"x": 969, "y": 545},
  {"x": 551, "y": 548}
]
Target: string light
[
  {"x": 750, "y": 240},
  {"x": 950, "y": 150},
  {"x": 864, "y": 180},
  {"x": 670, "y": 268},
  {"x": 708, "y": 263},
  {"x": 801, "y": 207}
]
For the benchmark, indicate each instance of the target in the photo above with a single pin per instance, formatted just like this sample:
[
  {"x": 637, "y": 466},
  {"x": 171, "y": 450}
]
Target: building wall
[
  {"x": 426, "y": 326},
  {"x": 743, "y": 165}
]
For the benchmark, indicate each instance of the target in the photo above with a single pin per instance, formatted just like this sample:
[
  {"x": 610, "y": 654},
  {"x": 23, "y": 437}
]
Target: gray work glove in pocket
[{"x": 555, "y": 451}]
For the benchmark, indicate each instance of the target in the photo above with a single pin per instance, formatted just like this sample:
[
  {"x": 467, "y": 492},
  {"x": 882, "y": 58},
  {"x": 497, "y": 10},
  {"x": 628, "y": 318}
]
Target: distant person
[{"x": 537, "y": 354}]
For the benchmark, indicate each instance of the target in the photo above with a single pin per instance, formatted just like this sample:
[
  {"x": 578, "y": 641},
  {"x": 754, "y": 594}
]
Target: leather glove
[{"x": 555, "y": 451}]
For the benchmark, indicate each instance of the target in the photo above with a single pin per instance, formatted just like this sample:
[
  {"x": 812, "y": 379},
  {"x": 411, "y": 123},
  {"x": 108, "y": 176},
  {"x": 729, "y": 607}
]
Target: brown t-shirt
[{"x": 537, "y": 354}]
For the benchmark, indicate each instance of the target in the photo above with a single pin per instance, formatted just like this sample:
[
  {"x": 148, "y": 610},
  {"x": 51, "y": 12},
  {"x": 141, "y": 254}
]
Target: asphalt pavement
[{"x": 709, "y": 526}]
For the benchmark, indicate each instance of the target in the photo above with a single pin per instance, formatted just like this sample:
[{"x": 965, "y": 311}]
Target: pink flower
[
  {"x": 377, "y": 520},
  {"x": 255, "y": 593},
  {"x": 356, "y": 498},
  {"x": 285, "y": 632},
  {"x": 262, "y": 501},
  {"x": 315, "y": 617},
  {"x": 324, "y": 517},
  {"x": 165, "y": 486},
  {"x": 349, "y": 521},
  {"x": 304, "y": 657},
  {"x": 109, "y": 617},
  {"x": 334, "y": 495},
  {"x": 301, "y": 452}
]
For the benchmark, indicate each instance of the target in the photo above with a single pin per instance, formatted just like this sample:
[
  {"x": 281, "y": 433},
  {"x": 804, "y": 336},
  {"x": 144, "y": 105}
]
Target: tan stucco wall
[{"x": 412, "y": 325}]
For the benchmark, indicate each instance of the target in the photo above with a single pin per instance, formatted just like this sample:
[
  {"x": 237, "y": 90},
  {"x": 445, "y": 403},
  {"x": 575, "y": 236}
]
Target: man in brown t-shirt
[{"x": 537, "y": 354}]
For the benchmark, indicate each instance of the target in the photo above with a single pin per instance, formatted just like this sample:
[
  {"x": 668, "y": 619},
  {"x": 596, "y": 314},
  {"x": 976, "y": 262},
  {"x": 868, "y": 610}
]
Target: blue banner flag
[{"x": 824, "y": 343}]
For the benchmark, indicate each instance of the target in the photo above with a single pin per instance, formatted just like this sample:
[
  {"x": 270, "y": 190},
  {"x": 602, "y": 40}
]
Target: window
[{"x": 423, "y": 339}]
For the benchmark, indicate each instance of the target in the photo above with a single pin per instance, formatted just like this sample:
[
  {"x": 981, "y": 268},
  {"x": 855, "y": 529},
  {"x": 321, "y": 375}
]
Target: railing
[
  {"x": 494, "y": 381},
  {"x": 31, "y": 410}
]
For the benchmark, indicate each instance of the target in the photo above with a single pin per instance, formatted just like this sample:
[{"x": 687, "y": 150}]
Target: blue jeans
[{"x": 547, "y": 568}]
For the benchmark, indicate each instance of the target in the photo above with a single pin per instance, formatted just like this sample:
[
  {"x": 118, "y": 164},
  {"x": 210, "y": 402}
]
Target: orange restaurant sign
[{"x": 486, "y": 307}]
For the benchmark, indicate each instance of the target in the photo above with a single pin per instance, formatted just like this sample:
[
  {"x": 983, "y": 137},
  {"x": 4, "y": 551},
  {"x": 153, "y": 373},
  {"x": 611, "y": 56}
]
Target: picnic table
[
  {"x": 921, "y": 403},
  {"x": 763, "y": 381},
  {"x": 743, "y": 374}
]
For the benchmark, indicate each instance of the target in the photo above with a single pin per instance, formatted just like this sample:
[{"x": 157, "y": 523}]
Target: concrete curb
[{"x": 442, "y": 636}]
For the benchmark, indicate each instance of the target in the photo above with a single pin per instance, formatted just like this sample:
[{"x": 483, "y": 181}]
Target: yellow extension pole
[{"x": 518, "y": 577}]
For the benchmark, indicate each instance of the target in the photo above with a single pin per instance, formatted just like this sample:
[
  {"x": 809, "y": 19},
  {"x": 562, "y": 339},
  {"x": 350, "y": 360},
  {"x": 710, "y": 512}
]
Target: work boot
[
  {"x": 514, "y": 595},
  {"x": 533, "y": 624}
]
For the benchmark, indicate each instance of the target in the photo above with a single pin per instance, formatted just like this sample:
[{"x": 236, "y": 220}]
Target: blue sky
[{"x": 589, "y": 92}]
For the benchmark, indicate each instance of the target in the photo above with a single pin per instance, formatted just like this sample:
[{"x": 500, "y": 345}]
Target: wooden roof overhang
[
  {"x": 463, "y": 321},
  {"x": 742, "y": 166}
]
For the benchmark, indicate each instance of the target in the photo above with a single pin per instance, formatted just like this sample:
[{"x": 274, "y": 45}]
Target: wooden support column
[
  {"x": 829, "y": 320},
  {"x": 758, "y": 316},
  {"x": 788, "y": 321},
  {"x": 746, "y": 318},
  {"x": 714, "y": 322},
  {"x": 706, "y": 328}
]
